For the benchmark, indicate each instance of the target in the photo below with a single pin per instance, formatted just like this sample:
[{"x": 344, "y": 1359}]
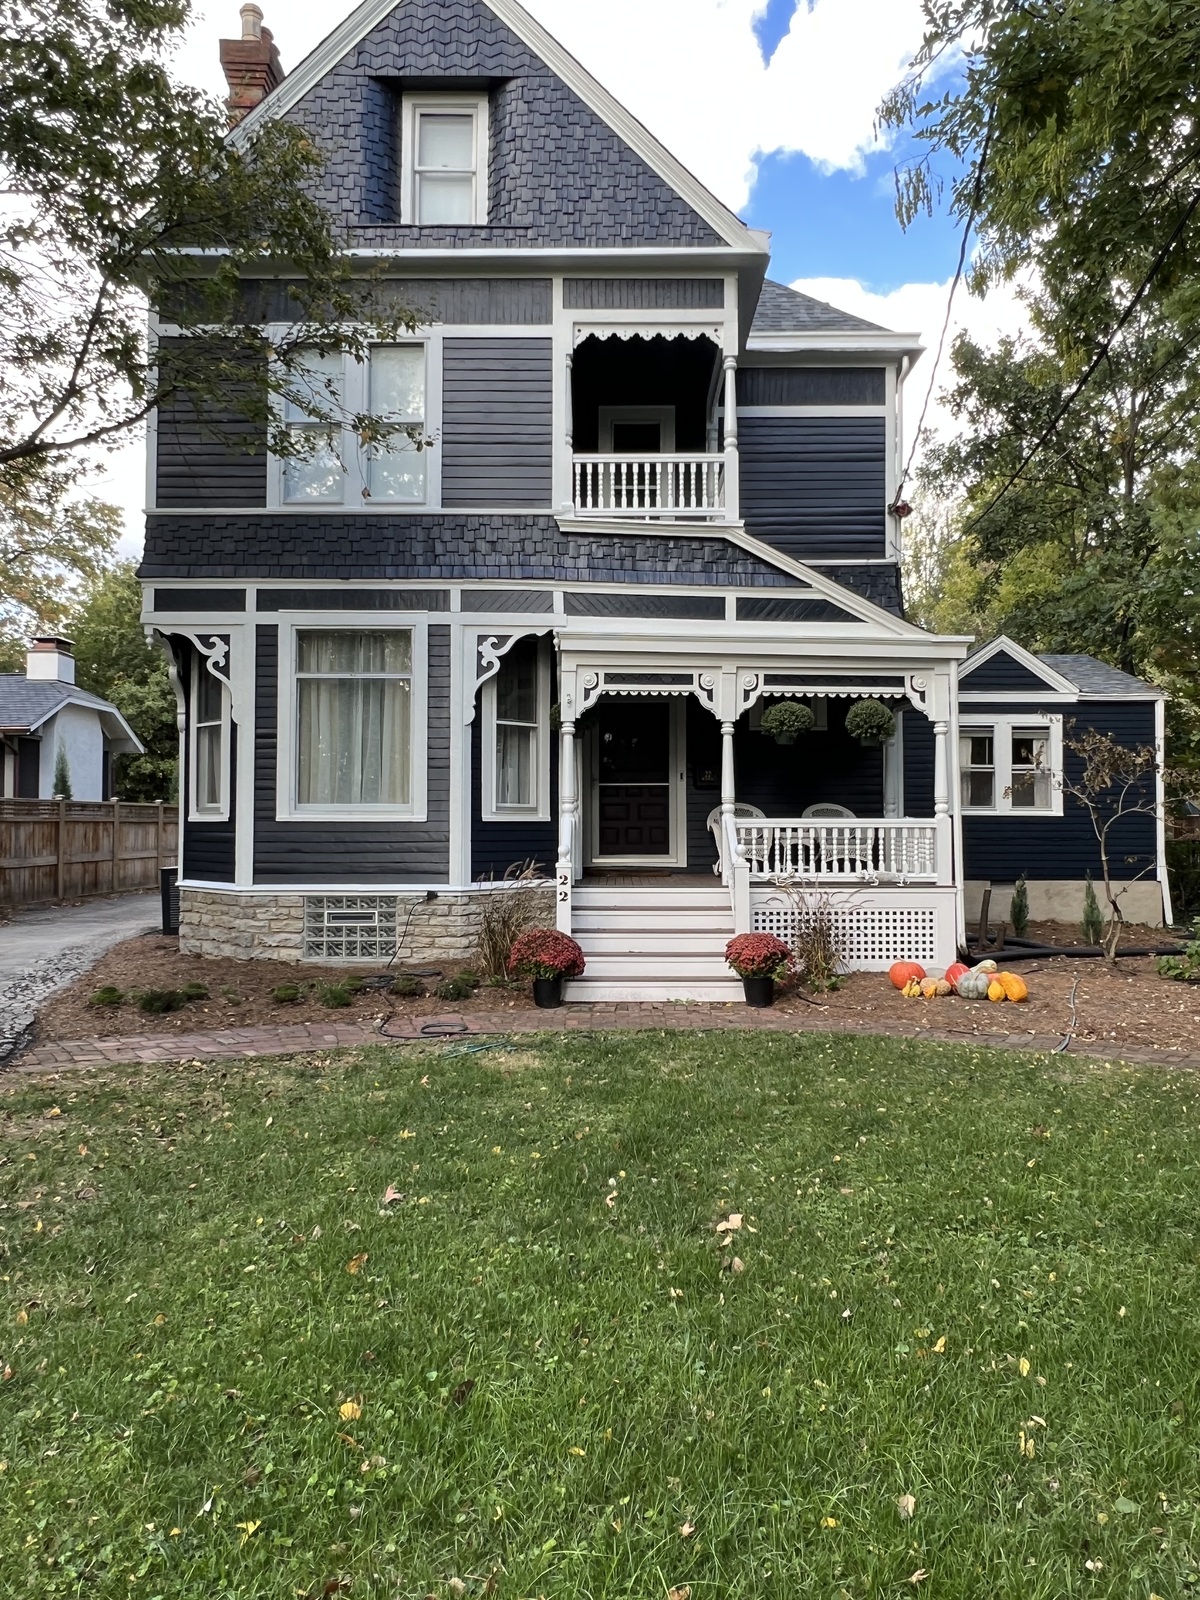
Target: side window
[
  {"x": 1031, "y": 770},
  {"x": 444, "y": 141},
  {"x": 318, "y": 473},
  {"x": 516, "y": 736},
  {"x": 209, "y": 754},
  {"x": 978, "y": 771},
  {"x": 395, "y": 469}
]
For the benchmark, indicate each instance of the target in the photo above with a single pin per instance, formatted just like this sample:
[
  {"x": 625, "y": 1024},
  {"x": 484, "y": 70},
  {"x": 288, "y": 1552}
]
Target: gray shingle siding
[
  {"x": 558, "y": 174},
  {"x": 497, "y": 422},
  {"x": 437, "y": 547}
]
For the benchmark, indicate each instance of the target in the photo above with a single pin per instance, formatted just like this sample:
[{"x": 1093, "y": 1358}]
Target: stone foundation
[
  {"x": 1061, "y": 900},
  {"x": 268, "y": 925}
]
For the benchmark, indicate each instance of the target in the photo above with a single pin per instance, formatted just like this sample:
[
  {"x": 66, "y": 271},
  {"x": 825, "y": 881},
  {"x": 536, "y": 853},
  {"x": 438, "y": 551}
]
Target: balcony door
[
  {"x": 635, "y": 431},
  {"x": 636, "y": 788}
]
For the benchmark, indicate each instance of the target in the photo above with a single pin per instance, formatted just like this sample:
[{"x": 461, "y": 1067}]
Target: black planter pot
[
  {"x": 760, "y": 992},
  {"x": 547, "y": 993}
]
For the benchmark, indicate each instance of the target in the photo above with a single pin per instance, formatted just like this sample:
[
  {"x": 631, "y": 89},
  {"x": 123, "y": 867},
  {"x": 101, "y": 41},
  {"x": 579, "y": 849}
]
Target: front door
[{"x": 635, "y": 785}]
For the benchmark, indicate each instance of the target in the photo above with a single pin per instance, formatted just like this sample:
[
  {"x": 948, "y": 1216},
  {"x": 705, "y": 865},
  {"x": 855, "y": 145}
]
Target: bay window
[
  {"x": 1010, "y": 766},
  {"x": 516, "y": 736},
  {"x": 354, "y": 722}
]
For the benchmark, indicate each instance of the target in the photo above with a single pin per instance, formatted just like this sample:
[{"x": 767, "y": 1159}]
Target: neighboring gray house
[
  {"x": 660, "y": 498},
  {"x": 42, "y": 713}
]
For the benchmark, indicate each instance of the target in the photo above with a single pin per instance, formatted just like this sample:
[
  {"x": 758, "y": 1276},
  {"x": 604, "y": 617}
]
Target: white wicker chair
[
  {"x": 828, "y": 810},
  {"x": 747, "y": 813}
]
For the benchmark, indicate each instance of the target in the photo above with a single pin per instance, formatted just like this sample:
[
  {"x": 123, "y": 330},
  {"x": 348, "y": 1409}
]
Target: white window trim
[
  {"x": 1001, "y": 729},
  {"x": 219, "y": 812},
  {"x": 356, "y": 400},
  {"x": 539, "y": 810},
  {"x": 286, "y": 775},
  {"x": 412, "y": 107}
]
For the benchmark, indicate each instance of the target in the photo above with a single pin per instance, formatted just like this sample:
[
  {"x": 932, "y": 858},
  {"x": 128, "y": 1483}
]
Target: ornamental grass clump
[
  {"x": 546, "y": 953},
  {"x": 758, "y": 955},
  {"x": 870, "y": 720}
]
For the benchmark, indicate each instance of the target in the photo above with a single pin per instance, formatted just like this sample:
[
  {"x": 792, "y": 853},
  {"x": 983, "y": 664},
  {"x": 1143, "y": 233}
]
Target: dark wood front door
[{"x": 634, "y": 796}]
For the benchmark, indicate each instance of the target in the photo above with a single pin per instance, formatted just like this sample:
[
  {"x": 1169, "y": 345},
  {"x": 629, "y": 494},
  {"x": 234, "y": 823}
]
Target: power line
[{"x": 1043, "y": 438}]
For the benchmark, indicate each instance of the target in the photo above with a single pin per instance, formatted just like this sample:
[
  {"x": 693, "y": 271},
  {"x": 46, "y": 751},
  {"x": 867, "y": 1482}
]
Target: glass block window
[{"x": 349, "y": 927}]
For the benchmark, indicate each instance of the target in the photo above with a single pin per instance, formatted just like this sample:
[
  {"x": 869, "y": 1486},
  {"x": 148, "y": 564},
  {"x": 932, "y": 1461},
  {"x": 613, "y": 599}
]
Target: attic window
[{"x": 444, "y": 148}]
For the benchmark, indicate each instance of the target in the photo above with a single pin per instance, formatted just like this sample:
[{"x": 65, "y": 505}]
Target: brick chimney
[
  {"x": 50, "y": 661},
  {"x": 251, "y": 64}
]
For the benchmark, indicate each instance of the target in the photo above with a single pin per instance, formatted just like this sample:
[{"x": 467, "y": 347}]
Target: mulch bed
[{"x": 240, "y": 995}]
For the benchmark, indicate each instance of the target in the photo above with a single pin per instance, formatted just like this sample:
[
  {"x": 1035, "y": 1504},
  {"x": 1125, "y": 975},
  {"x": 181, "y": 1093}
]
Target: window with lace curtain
[
  {"x": 355, "y": 722},
  {"x": 209, "y": 746},
  {"x": 516, "y": 736}
]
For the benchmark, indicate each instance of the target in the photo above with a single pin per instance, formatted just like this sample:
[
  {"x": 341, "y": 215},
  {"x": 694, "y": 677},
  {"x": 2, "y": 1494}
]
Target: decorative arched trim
[
  {"x": 648, "y": 330},
  {"x": 631, "y": 684}
]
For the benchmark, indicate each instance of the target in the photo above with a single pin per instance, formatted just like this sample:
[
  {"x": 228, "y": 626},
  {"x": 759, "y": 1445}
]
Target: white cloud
[{"x": 921, "y": 308}]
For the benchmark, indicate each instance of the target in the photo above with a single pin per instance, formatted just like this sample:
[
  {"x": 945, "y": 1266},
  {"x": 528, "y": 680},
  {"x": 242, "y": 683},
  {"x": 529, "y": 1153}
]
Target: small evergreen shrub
[
  {"x": 194, "y": 991},
  {"x": 336, "y": 996},
  {"x": 107, "y": 997},
  {"x": 461, "y": 987},
  {"x": 157, "y": 1002},
  {"x": 287, "y": 994},
  {"x": 1092, "y": 925},
  {"x": 62, "y": 774},
  {"x": 870, "y": 719},
  {"x": 406, "y": 987},
  {"x": 1018, "y": 913}
]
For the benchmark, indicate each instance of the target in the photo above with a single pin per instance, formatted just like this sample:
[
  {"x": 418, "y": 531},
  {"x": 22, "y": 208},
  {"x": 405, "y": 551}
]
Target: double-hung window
[
  {"x": 1011, "y": 766},
  {"x": 516, "y": 748},
  {"x": 395, "y": 468},
  {"x": 444, "y": 147},
  {"x": 354, "y": 722},
  {"x": 209, "y": 763},
  {"x": 316, "y": 472}
]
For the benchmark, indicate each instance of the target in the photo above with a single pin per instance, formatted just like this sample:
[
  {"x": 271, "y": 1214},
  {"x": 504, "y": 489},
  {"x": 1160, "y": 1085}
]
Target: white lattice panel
[
  {"x": 876, "y": 928},
  {"x": 349, "y": 927}
]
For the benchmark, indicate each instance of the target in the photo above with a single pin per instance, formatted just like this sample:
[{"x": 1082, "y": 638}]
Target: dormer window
[{"x": 444, "y": 147}]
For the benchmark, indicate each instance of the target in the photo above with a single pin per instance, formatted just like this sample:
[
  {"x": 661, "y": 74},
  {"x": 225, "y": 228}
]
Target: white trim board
[
  {"x": 302, "y": 79},
  {"x": 1025, "y": 658}
]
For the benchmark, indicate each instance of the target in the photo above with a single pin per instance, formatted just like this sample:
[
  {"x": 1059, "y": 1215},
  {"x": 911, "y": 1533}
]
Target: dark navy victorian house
[{"x": 656, "y": 503}]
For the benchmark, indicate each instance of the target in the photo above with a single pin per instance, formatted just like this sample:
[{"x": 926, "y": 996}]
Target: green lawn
[{"x": 968, "y": 1277}]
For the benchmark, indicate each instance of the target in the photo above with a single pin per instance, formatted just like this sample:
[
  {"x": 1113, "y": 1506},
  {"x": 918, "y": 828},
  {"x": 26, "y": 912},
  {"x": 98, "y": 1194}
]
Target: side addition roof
[
  {"x": 1098, "y": 680},
  {"x": 784, "y": 310},
  {"x": 25, "y": 706}
]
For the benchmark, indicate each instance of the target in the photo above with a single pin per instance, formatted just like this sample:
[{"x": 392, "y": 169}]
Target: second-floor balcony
[{"x": 655, "y": 487}]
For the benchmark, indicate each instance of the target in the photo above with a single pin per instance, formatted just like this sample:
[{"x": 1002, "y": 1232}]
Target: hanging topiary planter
[
  {"x": 786, "y": 720},
  {"x": 870, "y": 722}
]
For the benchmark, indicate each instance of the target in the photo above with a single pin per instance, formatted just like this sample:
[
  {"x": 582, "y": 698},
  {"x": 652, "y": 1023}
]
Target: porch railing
[
  {"x": 865, "y": 850},
  {"x": 650, "y": 486}
]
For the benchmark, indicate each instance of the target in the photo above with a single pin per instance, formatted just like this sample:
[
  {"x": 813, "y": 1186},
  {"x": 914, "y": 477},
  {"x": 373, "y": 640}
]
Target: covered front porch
[{"x": 668, "y": 778}]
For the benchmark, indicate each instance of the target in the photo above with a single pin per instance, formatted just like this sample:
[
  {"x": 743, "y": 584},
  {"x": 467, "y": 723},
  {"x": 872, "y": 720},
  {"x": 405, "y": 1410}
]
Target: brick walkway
[{"x": 234, "y": 1043}]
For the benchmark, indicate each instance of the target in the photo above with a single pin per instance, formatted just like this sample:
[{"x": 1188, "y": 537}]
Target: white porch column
[
  {"x": 732, "y": 462},
  {"x": 941, "y": 801},
  {"x": 728, "y": 792},
  {"x": 569, "y": 427},
  {"x": 568, "y": 814}
]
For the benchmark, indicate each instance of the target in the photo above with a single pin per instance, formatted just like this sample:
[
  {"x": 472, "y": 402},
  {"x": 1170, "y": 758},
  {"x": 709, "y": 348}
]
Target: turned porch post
[
  {"x": 732, "y": 467},
  {"x": 568, "y": 814},
  {"x": 941, "y": 769},
  {"x": 728, "y": 779}
]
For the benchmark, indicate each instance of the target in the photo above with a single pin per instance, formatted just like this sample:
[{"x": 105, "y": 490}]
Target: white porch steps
[{"x": 650, "y": 944}]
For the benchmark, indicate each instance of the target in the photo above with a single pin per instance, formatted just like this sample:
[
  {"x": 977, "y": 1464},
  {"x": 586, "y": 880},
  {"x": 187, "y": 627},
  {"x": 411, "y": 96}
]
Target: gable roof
[
  {"x": 784, "y": 310},
  {"x": 25, "y": 706},
  {"x": 1097, "y": 679},
  {"x": 350, "y": 33}
]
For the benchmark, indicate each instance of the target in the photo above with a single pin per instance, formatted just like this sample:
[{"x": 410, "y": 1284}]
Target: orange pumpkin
[
  {"x": 954, "y": 973},
  {"x": 996, "y": 990},
  {"x": 903, "y": 972},
  {"x": 1015, "y": 988}
]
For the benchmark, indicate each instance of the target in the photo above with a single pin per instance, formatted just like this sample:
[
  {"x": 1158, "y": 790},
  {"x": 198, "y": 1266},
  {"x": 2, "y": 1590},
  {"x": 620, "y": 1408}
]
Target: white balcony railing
[
  {"x": 662, "y": 487},
  {"x": 891, "y": 850}
]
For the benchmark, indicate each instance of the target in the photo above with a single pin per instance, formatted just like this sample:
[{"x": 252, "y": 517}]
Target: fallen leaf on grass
[
  {"x": 334, "y": 1586},
  {"x": 1023, "y": 1366},
  {"x": 918, "y": 1576},
  {"x": 356, "y": 1263},
  {"x": 731, "y": 1223},
  {"x": 687, "y": 1529},
  {"x": 461, "y": 1393},
  {"x": 351, "y": 1410},
  {"x": 248, "y": 1529},
  {"x": 346, "y": 1439},
  {"x": 683, "y": 1592},
  {"x": 392, "y": 1195},
  {"x": 906, "y": 1505},
  {"x": 1125, "y": 1507}
]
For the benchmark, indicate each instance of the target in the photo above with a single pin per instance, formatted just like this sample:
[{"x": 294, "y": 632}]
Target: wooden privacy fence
[{"x": 69, "y": 849}]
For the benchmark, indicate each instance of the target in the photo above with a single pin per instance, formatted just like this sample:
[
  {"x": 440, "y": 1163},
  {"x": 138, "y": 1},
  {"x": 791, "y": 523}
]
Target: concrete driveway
[{"x": 45, "y": 949}]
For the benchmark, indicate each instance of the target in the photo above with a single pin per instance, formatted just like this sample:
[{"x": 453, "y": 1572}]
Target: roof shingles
[
  {"x": 24, "y": 705},
  {"x": 784, "y": 310}
]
